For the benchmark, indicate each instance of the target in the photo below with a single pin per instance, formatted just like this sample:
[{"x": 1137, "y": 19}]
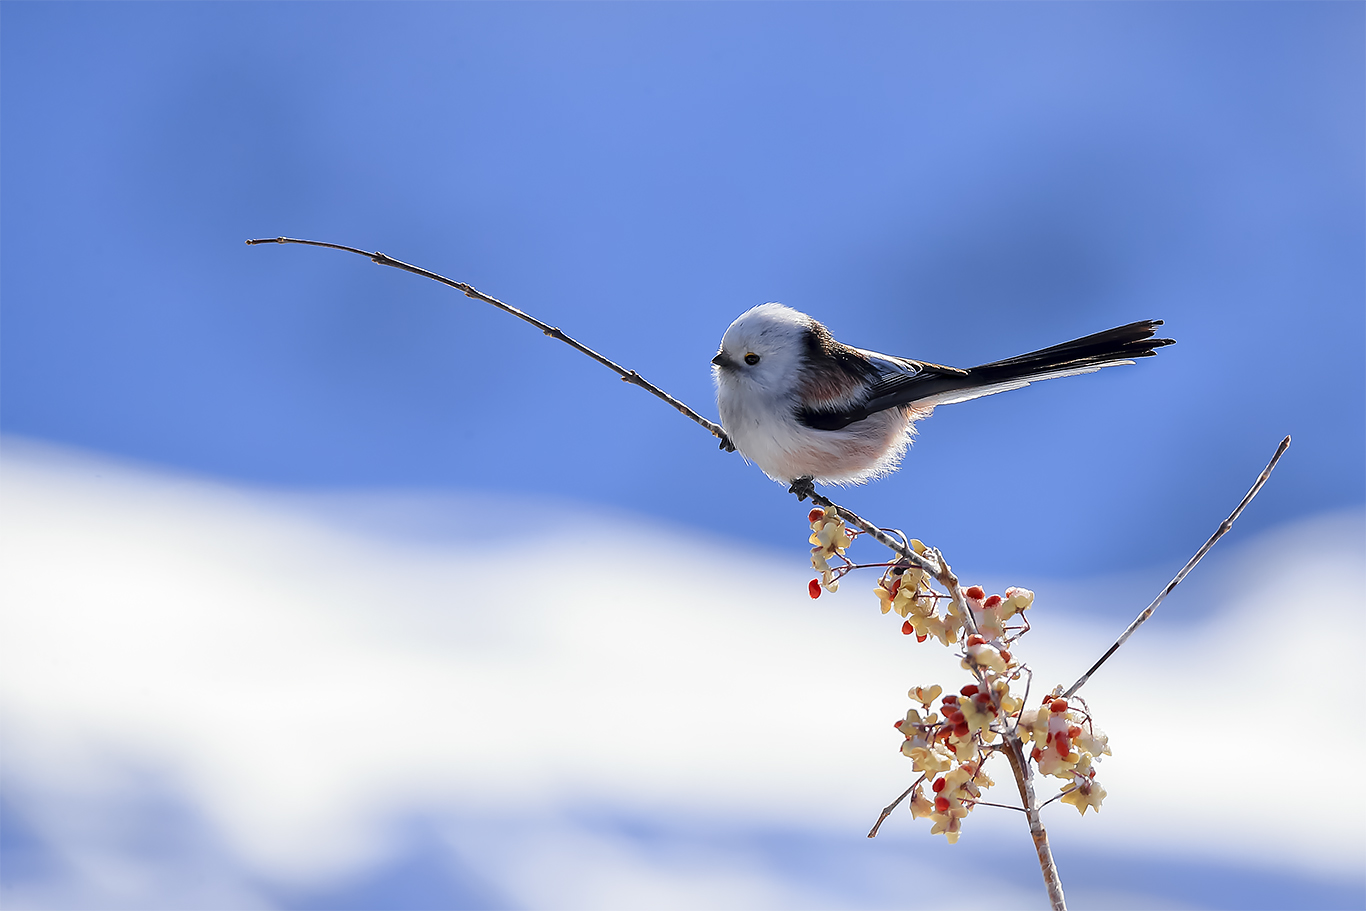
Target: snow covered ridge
[{"x": 302, "y": 680}]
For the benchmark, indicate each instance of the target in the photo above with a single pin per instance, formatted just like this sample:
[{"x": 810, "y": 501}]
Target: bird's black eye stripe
[{"x": 751, "y": 359}]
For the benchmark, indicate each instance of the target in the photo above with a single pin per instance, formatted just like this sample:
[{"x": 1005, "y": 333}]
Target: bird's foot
[
  {"x": 726, "y": 442},
  {"x": 802, "y": 487}
]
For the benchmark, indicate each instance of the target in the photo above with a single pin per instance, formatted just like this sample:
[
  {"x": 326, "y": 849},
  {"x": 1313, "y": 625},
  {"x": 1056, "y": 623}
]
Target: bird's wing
[
  {"x": 904, "y": 382},
  {"x": 896, "y": 380}
]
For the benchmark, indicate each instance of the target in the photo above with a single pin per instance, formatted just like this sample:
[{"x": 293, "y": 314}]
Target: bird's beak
[{"x": 722, "y": 361}]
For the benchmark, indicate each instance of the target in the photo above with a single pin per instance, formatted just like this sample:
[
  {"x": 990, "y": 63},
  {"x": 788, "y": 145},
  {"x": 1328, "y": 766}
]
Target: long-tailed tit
[{"x": 805, "y": 407}]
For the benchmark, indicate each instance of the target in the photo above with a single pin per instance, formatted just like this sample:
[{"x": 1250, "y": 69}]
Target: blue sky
[
  {"x": 956, "y": 183},
  {"x": 953, "y": 182}
]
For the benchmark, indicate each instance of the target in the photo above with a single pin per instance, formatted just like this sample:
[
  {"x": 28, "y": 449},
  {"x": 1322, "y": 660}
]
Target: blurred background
[{"x": 327, "y": 587}]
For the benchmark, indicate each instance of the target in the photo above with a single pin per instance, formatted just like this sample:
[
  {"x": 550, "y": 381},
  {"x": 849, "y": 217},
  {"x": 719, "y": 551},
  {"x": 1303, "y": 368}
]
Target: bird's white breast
[{"x": 766, "y": 431}]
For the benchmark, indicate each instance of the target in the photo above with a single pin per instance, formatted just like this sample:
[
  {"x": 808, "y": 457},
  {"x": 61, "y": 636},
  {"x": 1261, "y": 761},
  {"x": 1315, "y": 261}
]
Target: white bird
[{"x": 805, "y": 407}]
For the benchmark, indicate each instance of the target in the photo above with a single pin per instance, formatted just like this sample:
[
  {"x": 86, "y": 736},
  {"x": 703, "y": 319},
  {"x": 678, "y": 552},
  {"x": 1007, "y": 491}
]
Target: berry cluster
[
  {"x": 956, "y": 740},
  {"x": 906, "y": 590},
  {"x": 949, "y": 744},
  {"x": 829, "y": 538},
  {"x": 1066, "y": 743},
  {"x": 955, "y": 794}
]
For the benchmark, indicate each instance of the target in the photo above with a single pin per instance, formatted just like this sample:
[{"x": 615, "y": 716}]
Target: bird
[{"x": 806, "y": 408}]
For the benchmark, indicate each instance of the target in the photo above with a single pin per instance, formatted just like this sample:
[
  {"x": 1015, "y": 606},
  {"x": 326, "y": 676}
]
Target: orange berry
[{"x": 814, "y": 588}]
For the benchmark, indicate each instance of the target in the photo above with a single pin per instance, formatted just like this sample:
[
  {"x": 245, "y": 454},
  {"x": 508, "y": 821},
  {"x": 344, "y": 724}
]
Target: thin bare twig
[
  {"x": 629, "y": 376},
  {"x": 1058, "y": 796},
  {"x": 1199, "y": 555},
  {"x": 887, "y": 810},
  {"x": 1003, "y": 806}
]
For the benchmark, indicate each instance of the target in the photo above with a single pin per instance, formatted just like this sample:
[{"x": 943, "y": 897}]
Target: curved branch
[{"x": 627, "y": 376}]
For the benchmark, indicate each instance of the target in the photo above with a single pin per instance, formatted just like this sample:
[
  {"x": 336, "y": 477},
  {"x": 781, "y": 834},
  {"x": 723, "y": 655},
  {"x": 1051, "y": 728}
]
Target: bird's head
[{"x": 765, "y": 349}]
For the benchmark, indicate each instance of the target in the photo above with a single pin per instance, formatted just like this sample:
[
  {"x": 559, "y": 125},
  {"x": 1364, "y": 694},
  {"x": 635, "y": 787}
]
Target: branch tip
[{"x": 1223, "y": 529}]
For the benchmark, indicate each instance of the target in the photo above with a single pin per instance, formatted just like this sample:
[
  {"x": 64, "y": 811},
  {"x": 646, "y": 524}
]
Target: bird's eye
[{"x": 751, "y": 359}]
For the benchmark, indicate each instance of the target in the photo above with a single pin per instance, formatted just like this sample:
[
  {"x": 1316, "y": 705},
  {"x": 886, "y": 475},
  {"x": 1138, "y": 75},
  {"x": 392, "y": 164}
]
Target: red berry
[
  {"x": 1005, "y": 656},
  {"x": 1034, "y": 754},
  {"x": 896, "y": 587},
  {"x": 992, "y": 601},
  {"x": 941, "y": 804},
  {"x": 898, "y": 724},
  {"x": 1059, "y": 705},
  {"x": 921, "y": 637},
  {"x": 960, "y": 729},
  {"x": 907, "y": 629},
  {"x": 975, "y": 593},
  {"x": 982, "y": 699},
  {"x": 814, "y": 587},
  {"x": 969, "y": 690},
  {"x": 1073, "y": 732},
  {"x": 975, "y": 639},
  {"x": 938, "y": 785},
  {"x": 815, "y": 515}
]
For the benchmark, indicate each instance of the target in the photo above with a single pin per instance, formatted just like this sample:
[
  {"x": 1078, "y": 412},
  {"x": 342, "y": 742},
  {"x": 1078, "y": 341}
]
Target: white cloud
[{"x": 302, "y": 679}]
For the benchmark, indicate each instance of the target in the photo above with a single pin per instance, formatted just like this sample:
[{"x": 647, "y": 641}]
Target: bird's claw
[
  {"x": 726, "y": 443},
  {"x": 802, "y": 488}
]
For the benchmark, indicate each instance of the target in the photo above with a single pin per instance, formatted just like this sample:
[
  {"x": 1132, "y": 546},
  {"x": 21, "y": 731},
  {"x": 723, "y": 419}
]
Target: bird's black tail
[
  {"x": 934, "y": 385},
  {"x": 1099, "y": 350}
]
